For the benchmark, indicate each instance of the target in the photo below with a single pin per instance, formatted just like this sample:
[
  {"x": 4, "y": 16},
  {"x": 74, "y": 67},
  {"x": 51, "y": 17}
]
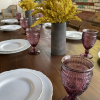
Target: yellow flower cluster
[
  {"x": 56, "y": 11},
  {"x": 27, "y": 4}
]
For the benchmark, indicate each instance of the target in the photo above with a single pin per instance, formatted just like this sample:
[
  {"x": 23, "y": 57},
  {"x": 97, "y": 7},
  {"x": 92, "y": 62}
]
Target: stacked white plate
[
  {"x": 25, "y": 84},
  {"x": 10, "y": 27},
  {"x": 47, "y": 25},
  {"x": 9, "y": 21},
  {"x": 73, "y": 35},
  {"x": 13, "y": 46},
  {"x": 99, "y": 54}
]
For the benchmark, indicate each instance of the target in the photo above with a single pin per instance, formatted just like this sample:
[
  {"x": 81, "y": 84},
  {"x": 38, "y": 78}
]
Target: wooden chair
[
  {"x": 74, "y": 24},
  {"x": 9, "y": 11}
]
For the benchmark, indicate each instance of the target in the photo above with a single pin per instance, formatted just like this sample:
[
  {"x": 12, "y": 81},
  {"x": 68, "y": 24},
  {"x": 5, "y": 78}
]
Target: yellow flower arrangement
[
  {"x": 55, "y": 11},
  {"x": 27, "y": 4}
]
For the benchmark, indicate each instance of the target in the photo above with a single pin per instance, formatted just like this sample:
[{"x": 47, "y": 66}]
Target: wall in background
[
  {"x": 89, "y": 8},
  {"x": 5, "y": 3}
]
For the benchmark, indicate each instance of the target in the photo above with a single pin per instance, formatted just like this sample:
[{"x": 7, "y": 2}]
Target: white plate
[
  {"x": 11, "y": 45},
  {"x": 9, "y": 21},
  {"x": 47, "y": 85},
  {"x": 9, "y": 27},
  {"x": 73, "y": 35},
  {"x": 27, "y": 45},
  {"x": 20, "y": 85},
  {"x": 47, "y": 25},
  {"x": 99, "y": 54}
]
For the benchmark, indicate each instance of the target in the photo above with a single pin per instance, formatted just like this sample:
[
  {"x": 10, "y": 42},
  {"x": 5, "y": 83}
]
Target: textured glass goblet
[
  {"x": 33, "y": 36},
  {"x": 18, "y": 16},
  {"x": 89, "y": 37},
  {"x": 76, "y": 74},
  {"x": 24, "y": 24}
]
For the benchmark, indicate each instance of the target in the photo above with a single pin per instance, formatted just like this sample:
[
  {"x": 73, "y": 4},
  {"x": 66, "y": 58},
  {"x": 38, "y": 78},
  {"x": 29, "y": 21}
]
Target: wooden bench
[
  {"x": 74, "y": 24},
  {"x": 87, "y": 25}
]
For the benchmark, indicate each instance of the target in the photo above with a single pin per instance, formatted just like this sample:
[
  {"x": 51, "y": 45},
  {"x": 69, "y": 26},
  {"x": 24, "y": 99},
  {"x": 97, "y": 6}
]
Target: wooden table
[{"x": 50, "y": 65}]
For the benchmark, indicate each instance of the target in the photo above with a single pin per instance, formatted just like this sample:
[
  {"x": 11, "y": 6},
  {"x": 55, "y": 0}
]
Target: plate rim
[
  {"x": 13, "y": 40},
  {"x": 3, "y": 29},
  {"x": 72, "y": 38},
  {"x": 16, "y": 51},
  {"x": 15, "y": 71},
  {"x": 39, "y": 74},
  {"x": 5, "y": 21}
]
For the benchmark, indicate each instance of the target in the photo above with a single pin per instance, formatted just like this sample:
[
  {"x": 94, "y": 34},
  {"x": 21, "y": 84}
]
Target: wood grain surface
[{"x": 50, "y": 65}]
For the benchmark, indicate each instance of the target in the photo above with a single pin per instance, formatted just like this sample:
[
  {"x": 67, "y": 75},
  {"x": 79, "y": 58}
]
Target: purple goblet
[
  {"x": 89, "y": 37},
  {"x": 33, "y": 36},
  {"x": 18, "y": 16},
  {"x": 76, "y": 74},
  {"x": 24, "y": 24}
]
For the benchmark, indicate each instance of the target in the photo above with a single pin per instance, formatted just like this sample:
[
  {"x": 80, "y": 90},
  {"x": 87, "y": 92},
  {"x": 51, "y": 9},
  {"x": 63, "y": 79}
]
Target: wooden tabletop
[{"x": 50, "y": 65}]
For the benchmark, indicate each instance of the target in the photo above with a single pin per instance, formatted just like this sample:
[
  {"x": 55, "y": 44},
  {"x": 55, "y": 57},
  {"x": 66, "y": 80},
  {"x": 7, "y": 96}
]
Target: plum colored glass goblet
[
  {"x": 24, "y": 24},
  {"x": 18, "y": 16},
  {"x": 89, "y": 37},
  {"x": 76, "y": 74},
  {"x": 33, "y": 36}
]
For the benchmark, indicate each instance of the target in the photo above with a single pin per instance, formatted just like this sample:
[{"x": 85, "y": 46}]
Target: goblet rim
[
  {"x": 76, "y": 70},
  {"x": 38, "y": 30},
  {"x": 93, "y": 31},
  {"x": 17, "y": 12}
]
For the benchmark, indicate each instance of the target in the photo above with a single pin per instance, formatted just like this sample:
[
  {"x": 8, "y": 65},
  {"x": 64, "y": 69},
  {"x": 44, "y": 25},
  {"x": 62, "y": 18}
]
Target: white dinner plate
[
  {"x": 26, "y": 46},
  {"x": 11, "y": 45},
  {"x": 47, "y": 25},
  {"x": 73, "y": 35},
  {"x": 20, "y": 85},
  {"x": 10, "y": 21},
  {"x": 99, "y": 54},
  {"x": 9, "y": 27},
  {"x": 47, "y": 85}
]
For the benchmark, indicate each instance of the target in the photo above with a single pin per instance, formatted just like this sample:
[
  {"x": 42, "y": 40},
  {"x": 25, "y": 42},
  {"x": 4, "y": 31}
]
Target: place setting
[
  {"x": 10, "y": 27},
  {"x": 13, "y": 46},
  {"x": 73, "y": 35},
  {"x": 9, "y": 21},
  {"x": 25, "y": 84}
]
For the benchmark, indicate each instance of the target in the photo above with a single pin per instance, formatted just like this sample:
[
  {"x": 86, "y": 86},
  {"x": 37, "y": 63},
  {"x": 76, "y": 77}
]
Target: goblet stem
[
  {"x": 34, "y": 51},
  {"x": 86, "y": 52},
  {"x": 18, "y": 22},
  {"x": 24, "y": 31}
]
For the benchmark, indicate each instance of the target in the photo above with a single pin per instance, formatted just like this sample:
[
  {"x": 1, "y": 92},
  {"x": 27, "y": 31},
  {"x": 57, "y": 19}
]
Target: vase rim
[{"x": 76, "y": 70}]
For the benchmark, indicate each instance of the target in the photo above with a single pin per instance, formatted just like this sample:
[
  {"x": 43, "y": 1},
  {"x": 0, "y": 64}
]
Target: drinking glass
[
  {"x": 24, "y": 24},
  {"x": 76, "y": 74},
  {"x": 33, "y": 36},
  {"x": 89, "y": 37},
  {"x": 18, "y": 16}
]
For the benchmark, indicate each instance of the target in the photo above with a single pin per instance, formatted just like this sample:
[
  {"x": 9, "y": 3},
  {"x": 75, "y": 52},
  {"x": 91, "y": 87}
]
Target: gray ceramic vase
[
  {"x": 27, "y": 15},
  {"x": 58, "y": 38}
]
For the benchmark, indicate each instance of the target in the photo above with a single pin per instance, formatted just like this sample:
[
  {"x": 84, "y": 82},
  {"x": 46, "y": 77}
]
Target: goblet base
[
  {"x": 67, "y": 98},
  {"x": 89, "y": 55},
  {"x": 18, "y": 22},
  {"x": 36, "y": 52}
]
